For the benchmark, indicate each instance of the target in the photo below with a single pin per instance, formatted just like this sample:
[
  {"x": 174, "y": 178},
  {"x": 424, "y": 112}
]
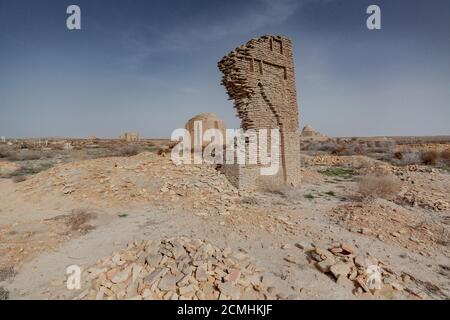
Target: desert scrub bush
[
  {"x": 445, "y": 155},
  {"x": 429, "y": 157},
  {"x": 128, "y": 151},
  {"x": 310, "y": 146},
  {"x": 339, "y": 149},
  {"x": 3, "y": 154},
  {"x": 287, "y": 192},
  {"x": 345, "y": 173},
  {"x": 404, "y": 158},
  {"x": 398, "y": 155},
  {"x": 378, "y": 185},
  {"x": 24, "y": 155},
  {"x": 20, "y": 174},
  {"x": 328, "y": 146}
]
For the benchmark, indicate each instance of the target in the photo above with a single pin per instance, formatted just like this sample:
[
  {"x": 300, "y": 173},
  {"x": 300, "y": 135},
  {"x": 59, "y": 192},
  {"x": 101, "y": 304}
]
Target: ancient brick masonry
[{"x": 259, "y": 76}]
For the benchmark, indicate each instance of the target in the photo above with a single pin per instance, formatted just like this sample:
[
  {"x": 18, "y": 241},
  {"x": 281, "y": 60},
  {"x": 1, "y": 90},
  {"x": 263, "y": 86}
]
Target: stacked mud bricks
[{"x": 259, "y": 76}]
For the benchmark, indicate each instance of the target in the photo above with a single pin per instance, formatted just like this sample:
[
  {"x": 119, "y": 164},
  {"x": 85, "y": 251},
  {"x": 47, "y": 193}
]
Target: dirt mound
[
  {"x": 146, "y": 177},
  {"x": 177, "y": 268}
]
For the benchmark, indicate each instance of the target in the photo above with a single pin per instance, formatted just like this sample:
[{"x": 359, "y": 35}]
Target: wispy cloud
[{"x": 147, "y": 39}]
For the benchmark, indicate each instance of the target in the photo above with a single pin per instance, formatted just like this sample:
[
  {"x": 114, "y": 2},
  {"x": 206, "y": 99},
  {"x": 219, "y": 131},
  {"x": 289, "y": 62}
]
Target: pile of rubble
[
  {"x": 427, "y": 200},
  {"x": 142, "y": 178},
  {"x": 361, "y": 273},
  {"x": 176, "y": 268},
  {"x": 346, "y": 161},
  {"x": 423, "y": 186},
  {"x": 389, "y": 223}
]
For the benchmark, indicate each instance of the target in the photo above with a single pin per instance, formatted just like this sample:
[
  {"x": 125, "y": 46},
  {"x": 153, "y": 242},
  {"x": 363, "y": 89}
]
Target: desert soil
[{"x": 83, "y": 212}]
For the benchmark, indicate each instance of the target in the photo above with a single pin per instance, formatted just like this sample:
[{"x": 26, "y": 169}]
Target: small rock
[
  {"x": 200, "y": 274},
  {"x": 187, "y": 289},
  {"x": 397, "y": 286},
  {"x": 234, "y": 276},
  {"x": 325, "y": 265},
  {"x": 348, "y": 248},
  {"x": 292, "y": 259},
  {"x": 229, "y": 290},
  {"x": 345, "y": 282},
  {"x": 336, "y": 250},
  {"x": 121, "y": 276},
  {"x": 155, "y": 275},
  {"x": 340, "y": 269},
  {"x": 168, "y": 283}
]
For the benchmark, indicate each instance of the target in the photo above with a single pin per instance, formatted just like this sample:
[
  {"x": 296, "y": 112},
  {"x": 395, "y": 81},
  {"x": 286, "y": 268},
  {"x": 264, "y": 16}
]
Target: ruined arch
[{"x": 260, "y": 78}]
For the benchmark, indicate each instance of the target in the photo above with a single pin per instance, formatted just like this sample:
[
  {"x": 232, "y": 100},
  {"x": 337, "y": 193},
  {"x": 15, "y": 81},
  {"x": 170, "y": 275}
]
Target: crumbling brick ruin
[{"x": 259, "y": 76}]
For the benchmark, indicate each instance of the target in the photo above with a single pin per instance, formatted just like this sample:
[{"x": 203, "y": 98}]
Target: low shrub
[
  {"x": 445, "y": 155},
  {"x": 24, "y": 155},
  {"x": 429, "y": 157},
  {"x": 128, "y": 151},
  {"x": 378, "y": 185}
]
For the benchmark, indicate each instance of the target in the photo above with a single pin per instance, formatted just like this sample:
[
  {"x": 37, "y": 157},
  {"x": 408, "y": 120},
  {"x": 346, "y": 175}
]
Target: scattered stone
[
  {"x": 325, "y": 265},
  {"x": 336, "y": 250},
  {"x": 340, "y": 269},
  {"x": 397, "y": 286},
  {"x": 155, "y": 275},
  {"x": 121, "y": 276},
  {"x": 234, "y": 276},
  {"x": 292, "y": 259},
  {"x": 176, "y": 268},
  {"x": 345, "y": 282},
  {"x": 168, "y": 283},
  {"x": 347, "y": 248},
  {"x": 185, "y": 290},
  {"x": 229, "y": 290}
]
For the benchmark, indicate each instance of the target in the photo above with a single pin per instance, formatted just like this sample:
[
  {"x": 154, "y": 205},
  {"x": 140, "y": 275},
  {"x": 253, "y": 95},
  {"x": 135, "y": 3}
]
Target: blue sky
[{"x": 148, "y": 66}]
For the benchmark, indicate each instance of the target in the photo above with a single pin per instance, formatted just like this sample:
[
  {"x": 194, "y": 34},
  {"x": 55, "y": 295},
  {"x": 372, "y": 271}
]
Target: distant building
[
  {"x": 308, "y": 131},
  {"x": 130, "y": 136},
  {"x": 207, "y": 121}
]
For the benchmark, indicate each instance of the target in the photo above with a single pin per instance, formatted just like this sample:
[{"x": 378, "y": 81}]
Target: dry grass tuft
[
  {"x": 429, "y": 157},
  {"x": 128, "y": 151},
  {"x": 378, "y": 185},
  {"x": 24, "y": 155},
  {"x": 270, "y": 186},
  {"x": 445, "y": 155}
]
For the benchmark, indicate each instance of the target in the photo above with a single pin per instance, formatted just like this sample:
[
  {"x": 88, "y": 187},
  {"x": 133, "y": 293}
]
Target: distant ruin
[
  {"x": 309, "y": 132},
  {"x": 204, "y": 122},
  {"x": 259, "y": 76},
  {"x": 130, "y": 136}
]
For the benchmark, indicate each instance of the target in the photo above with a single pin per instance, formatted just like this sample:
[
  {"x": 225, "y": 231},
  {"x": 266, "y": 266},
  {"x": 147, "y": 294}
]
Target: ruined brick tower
[{"x": 259, "y": 76}]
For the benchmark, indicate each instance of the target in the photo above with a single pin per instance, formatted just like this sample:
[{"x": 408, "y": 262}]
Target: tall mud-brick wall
[{"x": 260, "y": 77}]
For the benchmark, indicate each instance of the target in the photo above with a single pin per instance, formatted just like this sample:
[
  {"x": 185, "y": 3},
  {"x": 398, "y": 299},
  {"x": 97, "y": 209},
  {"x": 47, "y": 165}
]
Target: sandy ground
[{"x": 78, "y": 213}]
